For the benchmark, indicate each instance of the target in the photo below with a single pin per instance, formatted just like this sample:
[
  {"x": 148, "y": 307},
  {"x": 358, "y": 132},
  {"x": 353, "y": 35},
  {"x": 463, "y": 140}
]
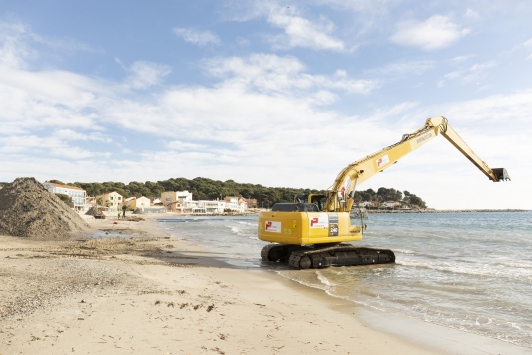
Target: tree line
[
  {"x": 383, "y": 194},
  {"x": 208, "y": 189}
]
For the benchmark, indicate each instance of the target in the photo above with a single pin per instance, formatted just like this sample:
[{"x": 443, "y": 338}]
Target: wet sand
[{"x": 147, "y": 292}]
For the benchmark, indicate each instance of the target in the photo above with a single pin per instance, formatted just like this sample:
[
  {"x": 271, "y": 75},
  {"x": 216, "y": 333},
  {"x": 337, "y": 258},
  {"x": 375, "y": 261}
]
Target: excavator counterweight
[{"x": 312, "y": 231}]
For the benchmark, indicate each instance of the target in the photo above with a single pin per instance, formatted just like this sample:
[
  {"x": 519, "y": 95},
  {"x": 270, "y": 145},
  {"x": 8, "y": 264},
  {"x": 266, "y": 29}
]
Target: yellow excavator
[{"x": 312, "y": 231}]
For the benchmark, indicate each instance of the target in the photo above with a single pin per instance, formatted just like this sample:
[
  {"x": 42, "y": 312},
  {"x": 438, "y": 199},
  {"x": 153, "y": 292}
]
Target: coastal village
[{"x": 180, "y": 202}]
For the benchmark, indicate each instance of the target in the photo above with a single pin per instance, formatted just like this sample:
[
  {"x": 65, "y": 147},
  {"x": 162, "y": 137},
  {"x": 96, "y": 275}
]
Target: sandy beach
[{"x": 147, "y": 292}]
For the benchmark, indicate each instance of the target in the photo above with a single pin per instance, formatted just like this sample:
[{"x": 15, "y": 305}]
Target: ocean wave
[
  {"x": 474, "y": 270},
  {"x": 517, "y": 265}
]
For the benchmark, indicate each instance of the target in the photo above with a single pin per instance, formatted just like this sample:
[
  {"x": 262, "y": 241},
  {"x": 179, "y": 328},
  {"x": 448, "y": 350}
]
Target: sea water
[{"x": 468, "y": 271}]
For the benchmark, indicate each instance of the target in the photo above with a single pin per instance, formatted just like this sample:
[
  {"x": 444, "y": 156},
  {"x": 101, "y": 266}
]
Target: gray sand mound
[
  {"x": 28, "y": 209},
  {"x": 93, "y": 211}
]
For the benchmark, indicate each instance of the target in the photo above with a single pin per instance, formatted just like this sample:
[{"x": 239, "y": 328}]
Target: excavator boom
[{"x": 341, "y": 193}]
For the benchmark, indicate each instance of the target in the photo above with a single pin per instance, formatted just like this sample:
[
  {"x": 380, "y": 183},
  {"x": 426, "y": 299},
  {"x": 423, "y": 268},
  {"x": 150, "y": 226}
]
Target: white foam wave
[
  {"x": 248, "y": 224},
  {"x": 475, "y": 269},
  {"x": 404, "y": 251},
  {"x": 517, "y": 265},
  {"x": 323, "y": 279},
  {"x": 302, "y": 282},
  {"x": 242, "y": 232}
]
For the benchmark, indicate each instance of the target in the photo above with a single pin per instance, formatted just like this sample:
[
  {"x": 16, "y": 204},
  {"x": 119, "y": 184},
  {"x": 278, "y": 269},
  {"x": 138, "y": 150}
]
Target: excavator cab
[{"x": 317, "y": 199}]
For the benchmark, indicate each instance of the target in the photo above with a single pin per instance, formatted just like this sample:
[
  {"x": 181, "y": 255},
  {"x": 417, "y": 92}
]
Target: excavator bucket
[{"x": 501, "y": 173}]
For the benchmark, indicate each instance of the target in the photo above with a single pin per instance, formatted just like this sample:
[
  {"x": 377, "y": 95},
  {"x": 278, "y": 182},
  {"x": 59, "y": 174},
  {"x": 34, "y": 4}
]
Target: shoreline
[
  {"x": 150, "y": 290},
  {"x": 448, "y": 211}
]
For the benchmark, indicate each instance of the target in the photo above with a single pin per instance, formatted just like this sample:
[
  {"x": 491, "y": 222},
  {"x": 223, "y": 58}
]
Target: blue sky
[{"x": 267, "y": 92}]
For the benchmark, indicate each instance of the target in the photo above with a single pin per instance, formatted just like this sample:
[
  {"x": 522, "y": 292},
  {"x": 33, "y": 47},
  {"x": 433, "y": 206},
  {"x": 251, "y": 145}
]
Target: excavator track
[
  {"x": 340, "y": 255},
  {"x": 279, "y": 252}
]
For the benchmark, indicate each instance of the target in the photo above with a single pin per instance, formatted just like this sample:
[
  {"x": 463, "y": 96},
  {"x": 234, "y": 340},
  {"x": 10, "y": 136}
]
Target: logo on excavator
[
  {"x": 319, "y": 222},
  {"x": 425, "y": 137},
  {"x": 383, "y": 161},
  {"x": 271, "y": 226}
]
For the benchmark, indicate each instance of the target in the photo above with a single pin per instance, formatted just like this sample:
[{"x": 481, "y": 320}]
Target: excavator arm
[{"x": 340, "y": 196}]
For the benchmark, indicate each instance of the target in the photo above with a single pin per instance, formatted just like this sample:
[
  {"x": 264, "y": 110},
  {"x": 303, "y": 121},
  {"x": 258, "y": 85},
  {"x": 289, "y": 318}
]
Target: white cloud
[
  {"x": 200, "y": 38},
  {"x": 513, "y": 108},
  {"x": 461, "y": 58},
  {"x": 401, "y": 68},
  {"x": 15, "y": 40},
  {"x": 435, "y": 33},
  {"x": 298, "y": 31},
  {"x": 472, "y": 15},
  {"x": 273, "y": 74},
  {"x": 13, "y": 49},
  {"x": 187, "y": 146},
  {"x": 359, "y": 5},
  {"x": 301, "y": 32},
  {"x": 70, "y": 135},
  {"x": 44, "y": 145},
  {"x": 146, "y": 74},
  {"x": 474, "y": 74},
  {"x": 366, "y": 15}
]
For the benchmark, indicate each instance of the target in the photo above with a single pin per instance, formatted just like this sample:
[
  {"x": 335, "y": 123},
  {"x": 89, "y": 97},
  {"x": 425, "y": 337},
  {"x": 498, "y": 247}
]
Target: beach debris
[{"x": 29, "y": 210}]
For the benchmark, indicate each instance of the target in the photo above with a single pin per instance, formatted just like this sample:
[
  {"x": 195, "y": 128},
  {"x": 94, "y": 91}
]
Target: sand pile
[
  {"x": 93, "y": 211},
  {"x": 28, "y": 209}
]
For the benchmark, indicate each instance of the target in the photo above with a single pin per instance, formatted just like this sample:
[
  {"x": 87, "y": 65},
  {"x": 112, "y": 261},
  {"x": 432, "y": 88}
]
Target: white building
[
  {"x": 77, "y": 194},
  {"x": 211, "y": 206},
  {"x": 235, "y": 203},
  {"x": 182, "y": 202},
  {"x": 390, "y": 204}
]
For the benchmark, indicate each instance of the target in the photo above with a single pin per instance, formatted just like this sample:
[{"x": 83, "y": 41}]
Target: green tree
[{"x": 53, "y": 181}]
